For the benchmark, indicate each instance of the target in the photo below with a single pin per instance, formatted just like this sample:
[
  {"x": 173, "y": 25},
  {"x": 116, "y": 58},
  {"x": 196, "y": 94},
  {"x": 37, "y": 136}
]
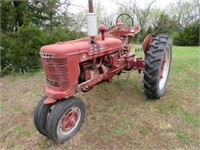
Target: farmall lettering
[
  {"x": 77, "y": 66},
  {"x": 97, "y": 48}
]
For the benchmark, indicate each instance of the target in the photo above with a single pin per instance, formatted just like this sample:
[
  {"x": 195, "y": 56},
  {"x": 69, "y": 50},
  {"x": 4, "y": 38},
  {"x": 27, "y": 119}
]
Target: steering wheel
[{"x": 125, "y": 18}]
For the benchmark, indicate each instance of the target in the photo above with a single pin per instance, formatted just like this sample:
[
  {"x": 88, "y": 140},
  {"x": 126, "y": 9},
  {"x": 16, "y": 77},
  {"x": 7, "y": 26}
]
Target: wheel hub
[
  {"x": 164, "y": 69},
  {"x": 69, "y": 121},
  {"x": 162, "y": 66}
]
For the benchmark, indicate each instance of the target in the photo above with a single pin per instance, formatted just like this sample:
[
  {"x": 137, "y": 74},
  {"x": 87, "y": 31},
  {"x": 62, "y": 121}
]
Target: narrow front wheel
[{"x": 65, "y": 119}]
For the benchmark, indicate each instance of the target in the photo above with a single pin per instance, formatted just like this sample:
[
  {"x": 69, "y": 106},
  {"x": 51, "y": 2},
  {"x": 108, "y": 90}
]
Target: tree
[
  {"x": 153, "y": 18},
  {"x": 142, "y": 14},
  {"x": 165, "y": 24},
  {"x": 184, "y": 12},
  {"x": 7, "y": 21},
  {"x": 102, "y": 15},
  {"x": 49, "y": 13},
  {"x": 34, "y": 21},
  {"x": 189, "y": 36},
  {"x": 80, "y": 22},
  {"x": 13, "y": 14}
]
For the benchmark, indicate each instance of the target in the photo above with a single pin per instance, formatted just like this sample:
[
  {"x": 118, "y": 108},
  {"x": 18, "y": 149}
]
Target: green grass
[
  {"x": 185, "y": 72},
  {"x": 184, "y": 136},
  {"x": 104, "y": 87},
  {"x": 11, "y": 144},
  {"x": 119, "y": 131},
  {"x": 118, "y": 107},
  {"x": 165, "y": 108},
  {"x": 2, "y": 106},
  {"x": 189, "y": 117},
  {"x": 18, "y": 107},
  {"x": 143, "y": 131},
  {"x": 125, "y": 120},
  {"x": 118, "y": 115},
  {"x": 41, "y": 145},
  {"x": 19, "y": 130}
]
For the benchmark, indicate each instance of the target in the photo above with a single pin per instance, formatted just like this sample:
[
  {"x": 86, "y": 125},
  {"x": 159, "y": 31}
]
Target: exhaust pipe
[{"x": 91, "y": 21}]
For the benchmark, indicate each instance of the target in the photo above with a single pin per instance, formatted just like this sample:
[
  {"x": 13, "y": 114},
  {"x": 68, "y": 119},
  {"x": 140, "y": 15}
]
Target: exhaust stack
[{"x": 91, "y": 21}]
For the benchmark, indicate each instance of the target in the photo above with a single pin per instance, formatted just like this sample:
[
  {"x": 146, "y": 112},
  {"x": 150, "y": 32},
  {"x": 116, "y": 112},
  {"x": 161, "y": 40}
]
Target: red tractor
[{"x": 78, "y": 65}]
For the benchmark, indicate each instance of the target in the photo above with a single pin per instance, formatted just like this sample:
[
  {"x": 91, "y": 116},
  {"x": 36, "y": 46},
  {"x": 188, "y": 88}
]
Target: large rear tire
[
  {"x": 157, "y": 66},
  {"x": 65, "y": 119}
]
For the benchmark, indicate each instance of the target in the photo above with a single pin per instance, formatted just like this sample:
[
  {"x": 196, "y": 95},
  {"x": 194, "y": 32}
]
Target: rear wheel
[
  {"x": 157, "y": 66},
  {"x": 40, "y": 116},
  {"x": 65, "y": 119}
]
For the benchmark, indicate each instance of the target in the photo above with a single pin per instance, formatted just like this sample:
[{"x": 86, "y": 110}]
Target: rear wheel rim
[
  {"x": 69, "y": 121},
  {"x": 164, "y": 70}
]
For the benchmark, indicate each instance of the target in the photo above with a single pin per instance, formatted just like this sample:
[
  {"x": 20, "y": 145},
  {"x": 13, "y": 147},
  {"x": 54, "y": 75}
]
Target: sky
[{"x": 111, "y": 7}]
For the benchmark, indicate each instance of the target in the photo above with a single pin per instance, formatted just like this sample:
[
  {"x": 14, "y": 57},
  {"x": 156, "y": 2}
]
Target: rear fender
[{"x": 148, "y": 39}]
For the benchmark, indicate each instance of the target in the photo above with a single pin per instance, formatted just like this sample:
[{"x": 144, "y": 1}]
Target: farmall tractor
[{"x": 78, "y": 65}]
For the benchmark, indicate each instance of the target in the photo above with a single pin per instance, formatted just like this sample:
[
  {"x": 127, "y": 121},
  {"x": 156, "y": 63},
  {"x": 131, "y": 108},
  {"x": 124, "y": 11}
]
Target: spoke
[{"x": 66, "y": 120}]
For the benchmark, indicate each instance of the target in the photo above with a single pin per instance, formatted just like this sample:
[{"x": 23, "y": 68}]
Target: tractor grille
[{"x": 56, "y": 71}]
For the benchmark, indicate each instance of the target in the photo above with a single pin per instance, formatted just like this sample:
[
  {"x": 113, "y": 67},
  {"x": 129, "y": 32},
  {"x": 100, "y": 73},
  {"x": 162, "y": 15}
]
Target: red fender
[{"x": 145, "y": 45}]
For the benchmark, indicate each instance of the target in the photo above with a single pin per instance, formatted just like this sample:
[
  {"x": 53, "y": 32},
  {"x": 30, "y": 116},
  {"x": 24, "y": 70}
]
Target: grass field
[{"x": 118, "y": 115}]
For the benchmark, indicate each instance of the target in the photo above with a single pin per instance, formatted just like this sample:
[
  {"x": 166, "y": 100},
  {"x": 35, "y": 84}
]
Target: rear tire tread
[{"x": 152, "y": 66}]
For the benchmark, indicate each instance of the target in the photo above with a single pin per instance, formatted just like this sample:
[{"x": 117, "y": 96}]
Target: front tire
[
  {"x": 65, "y": 119},
  {"x": 40, "y": 116},
  {"x": 157, "y": 66}
]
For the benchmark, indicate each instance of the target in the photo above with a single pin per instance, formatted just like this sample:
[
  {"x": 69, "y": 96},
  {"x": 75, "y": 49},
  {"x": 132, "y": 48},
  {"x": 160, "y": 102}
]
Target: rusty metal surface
[{"x": 90, "y": 4}]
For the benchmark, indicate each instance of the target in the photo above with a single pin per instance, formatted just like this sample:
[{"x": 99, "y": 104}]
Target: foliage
[
  {"x": 177, "y": 19},
  {"x": 26, "y": 27},
  {"x": 62, "y": 34},
  {"x": 13, "y": 14},
  {"x": 20, "y": 51},
  {"x": 189, "y": 36},
  {"x": 165, "y": 24},
  {"x": 46, "y": 13},
  {"x": 7, "y": 17}
]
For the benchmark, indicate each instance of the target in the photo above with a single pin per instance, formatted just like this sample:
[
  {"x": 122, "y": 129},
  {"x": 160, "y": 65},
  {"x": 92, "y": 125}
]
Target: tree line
[
  {"x": 180, "y": 19},
  {"x": 27, "y": 25}
]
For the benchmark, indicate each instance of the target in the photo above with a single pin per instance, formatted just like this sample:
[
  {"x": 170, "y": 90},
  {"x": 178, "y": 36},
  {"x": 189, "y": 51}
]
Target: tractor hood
[{"x": 62, "y": 49}]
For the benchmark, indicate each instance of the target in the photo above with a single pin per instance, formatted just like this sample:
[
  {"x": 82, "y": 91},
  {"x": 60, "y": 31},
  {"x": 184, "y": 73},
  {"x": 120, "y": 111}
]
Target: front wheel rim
[
  {"x": 69, "y": 121},
  {"x": 164, "y": 70}
]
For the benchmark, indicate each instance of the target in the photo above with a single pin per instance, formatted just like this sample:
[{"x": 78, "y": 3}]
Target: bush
[
  {"x": 189, "y": 36},
  {"x": 60, "y": 35},
  {"x": 20, "y": 51}
]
